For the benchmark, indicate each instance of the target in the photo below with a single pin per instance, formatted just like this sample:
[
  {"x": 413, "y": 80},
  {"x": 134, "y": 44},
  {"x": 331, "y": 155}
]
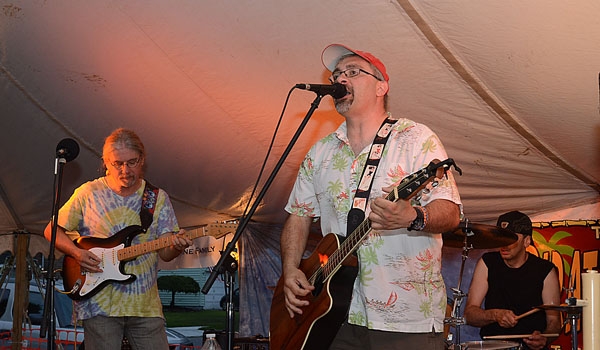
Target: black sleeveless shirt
[{"x": 518, "y": 290}]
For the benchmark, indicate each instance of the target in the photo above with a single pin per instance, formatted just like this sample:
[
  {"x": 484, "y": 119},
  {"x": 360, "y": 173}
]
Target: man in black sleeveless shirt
[{"x": 512, "y": 282}]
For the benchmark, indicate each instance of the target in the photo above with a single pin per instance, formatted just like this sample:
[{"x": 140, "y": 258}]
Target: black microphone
[
  {"x": 336, "y": 90},
  {"x": 68, "y": 149}
]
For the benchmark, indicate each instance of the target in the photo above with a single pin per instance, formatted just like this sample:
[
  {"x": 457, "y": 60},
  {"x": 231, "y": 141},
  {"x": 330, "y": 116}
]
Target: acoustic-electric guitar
[{"x": 332, "y": 269}]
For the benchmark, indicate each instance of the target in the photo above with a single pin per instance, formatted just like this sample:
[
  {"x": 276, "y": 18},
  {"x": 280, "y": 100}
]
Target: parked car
[{"x": 70, "y": 336}]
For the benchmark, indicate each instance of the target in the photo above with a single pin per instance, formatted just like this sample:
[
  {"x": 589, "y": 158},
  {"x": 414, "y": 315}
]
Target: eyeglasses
[
  {"x": 349, "y": 73},
  {"x": 132, "y": 163}
]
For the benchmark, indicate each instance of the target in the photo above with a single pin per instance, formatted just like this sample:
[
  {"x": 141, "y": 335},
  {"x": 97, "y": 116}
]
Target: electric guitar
[
  {"x": 332, "y": 269},
  {"x": 115, "y": 251}
]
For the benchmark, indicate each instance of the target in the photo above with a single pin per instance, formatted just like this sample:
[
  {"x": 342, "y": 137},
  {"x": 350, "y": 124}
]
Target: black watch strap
[{"x": 418, "y": 223}]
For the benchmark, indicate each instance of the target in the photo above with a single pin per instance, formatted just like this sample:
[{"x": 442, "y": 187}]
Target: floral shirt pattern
[
  {"x": 95, "y": 210},
  {"x": 399, "y": 285}
]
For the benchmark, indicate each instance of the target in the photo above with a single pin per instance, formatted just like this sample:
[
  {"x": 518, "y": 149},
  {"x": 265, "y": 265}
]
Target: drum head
[{"x": 490, "y": 344}]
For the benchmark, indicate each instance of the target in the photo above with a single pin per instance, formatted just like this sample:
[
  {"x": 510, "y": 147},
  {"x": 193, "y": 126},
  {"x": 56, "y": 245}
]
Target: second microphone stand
[{"x": 226, "y": 254}]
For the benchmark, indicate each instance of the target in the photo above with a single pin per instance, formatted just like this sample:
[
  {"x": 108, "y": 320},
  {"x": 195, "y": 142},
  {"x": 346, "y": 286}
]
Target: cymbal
[
  {"x": 478, "y": 236},
  {"x": 561, "y": 307}
]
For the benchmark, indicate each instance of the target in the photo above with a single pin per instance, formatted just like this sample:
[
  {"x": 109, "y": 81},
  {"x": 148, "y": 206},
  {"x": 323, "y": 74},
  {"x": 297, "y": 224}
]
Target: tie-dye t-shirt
[
  {"x": 95, "y": 210},
  {"x": 399, "y": 285}
]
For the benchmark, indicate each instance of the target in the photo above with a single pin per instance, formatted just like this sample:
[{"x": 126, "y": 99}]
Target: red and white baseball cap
[{"x": 332, "y": 54}]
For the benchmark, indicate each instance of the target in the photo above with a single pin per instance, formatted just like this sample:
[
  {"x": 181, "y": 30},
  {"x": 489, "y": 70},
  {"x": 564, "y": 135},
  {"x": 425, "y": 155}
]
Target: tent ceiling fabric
[{"x": 510, "y": 87}]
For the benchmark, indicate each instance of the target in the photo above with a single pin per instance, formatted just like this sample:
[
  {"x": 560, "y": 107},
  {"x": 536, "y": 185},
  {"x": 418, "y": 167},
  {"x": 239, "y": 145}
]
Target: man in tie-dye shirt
[
  {"x": 398, "y": 299},
  {"x": 102, "y": 208}
]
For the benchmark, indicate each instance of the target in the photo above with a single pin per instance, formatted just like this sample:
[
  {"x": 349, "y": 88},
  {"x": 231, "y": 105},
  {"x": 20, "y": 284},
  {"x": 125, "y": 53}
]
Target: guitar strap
[
  {"x": 148, "y": 205},
  {"x": 356, "y": 215}
]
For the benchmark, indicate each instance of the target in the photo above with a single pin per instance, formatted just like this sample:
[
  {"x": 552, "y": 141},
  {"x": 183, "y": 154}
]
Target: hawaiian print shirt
[
  {"x": 95, "y": 210},
  {"x": 399, "y": 285}
]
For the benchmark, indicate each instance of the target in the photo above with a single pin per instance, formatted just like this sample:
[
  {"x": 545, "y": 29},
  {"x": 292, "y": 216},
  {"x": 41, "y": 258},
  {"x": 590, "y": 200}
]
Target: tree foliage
[{"x": 178, "y": 284}]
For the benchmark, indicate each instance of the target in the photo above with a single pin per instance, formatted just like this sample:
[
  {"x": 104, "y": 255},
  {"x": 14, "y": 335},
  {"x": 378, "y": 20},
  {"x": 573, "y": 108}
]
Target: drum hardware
[
  {"x": 479, "y": 236},
  {"x": 572, "y": 309},
  {"x": 491, "y": 344},
  {"x": 573, "y": 313},
  {"x": 455, "y": 319},
  {"x": 470, "y": 236},
  {"x": 519, "y": 336}
]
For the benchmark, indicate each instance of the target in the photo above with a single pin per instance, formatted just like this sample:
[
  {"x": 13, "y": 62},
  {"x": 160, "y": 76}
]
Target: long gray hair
[{"x": 123, "y": 138}]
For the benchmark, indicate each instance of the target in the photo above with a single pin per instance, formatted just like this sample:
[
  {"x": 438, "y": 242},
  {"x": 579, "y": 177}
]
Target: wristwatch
[{"x": 420, "y": 221}]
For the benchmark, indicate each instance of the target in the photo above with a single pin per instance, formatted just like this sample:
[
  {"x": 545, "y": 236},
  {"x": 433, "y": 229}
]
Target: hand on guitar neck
[
  {"x": 388, "y": 215},
  {"x": 179, "y": 243}
]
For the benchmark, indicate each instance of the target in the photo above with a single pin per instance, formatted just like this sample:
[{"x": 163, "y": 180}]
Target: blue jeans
[{"x": 143, "y": 333}]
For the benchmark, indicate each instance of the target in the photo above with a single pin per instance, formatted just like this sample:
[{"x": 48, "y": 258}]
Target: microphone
[
  {"x": 68, "y": 149},
  {"x": 336, "y": 90}
]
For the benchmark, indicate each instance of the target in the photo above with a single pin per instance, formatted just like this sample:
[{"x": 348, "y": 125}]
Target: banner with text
[{"x": 573, "y": 247}]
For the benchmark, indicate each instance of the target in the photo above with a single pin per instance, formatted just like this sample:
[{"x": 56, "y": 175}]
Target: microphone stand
[
  {"x": 48, "y": 326},
  {"x": 231, "y": 266},
  {"x": 244, "y": 221}
]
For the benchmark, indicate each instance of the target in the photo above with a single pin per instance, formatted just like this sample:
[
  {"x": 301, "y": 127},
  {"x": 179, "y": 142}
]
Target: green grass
[{"x": 207, "y": 319}]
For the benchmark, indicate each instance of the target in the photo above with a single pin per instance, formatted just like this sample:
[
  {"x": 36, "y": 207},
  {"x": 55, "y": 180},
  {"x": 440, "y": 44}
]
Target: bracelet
[{"x": 420, "y": 221}]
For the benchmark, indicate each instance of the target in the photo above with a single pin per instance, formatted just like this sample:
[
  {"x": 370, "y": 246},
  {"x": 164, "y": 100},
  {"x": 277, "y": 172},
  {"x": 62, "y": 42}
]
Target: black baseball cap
[{"x": 515, "y": 221}]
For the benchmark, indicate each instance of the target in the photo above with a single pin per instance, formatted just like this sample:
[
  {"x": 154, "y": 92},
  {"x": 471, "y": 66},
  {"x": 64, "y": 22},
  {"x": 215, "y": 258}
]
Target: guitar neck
[{"x": 215, "y": 230}]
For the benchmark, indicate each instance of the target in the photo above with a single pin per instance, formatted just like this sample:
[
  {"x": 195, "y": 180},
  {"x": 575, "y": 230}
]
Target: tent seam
[{"x": 486, "y": 96}]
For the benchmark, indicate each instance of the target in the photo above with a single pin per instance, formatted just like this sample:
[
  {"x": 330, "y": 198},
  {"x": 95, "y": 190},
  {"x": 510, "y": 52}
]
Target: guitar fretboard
[{"x": 215, "y": 230}]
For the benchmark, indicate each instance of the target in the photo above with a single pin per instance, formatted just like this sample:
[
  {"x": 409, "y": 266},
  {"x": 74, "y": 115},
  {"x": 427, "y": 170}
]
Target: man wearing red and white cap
[{"x": 398, "y": 298}]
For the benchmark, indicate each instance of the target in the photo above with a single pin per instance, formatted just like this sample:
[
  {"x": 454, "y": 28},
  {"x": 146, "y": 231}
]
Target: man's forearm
[
  {"x": 443, "y": 216},
  {"x": 553, "y": 326},
  {"x": 293, "y": 241},
  {"x": 477, "y": 317}
]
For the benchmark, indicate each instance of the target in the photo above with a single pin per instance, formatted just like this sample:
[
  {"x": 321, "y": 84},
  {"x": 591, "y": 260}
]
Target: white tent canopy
[{"x": 511, "y": 87}]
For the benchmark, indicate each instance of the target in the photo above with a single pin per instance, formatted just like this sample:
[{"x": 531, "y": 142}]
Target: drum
[{"x": 491, "y": 344}]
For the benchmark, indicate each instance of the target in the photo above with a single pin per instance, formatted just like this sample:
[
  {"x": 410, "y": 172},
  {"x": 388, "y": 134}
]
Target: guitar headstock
[
  {"x": 439, "y": 168},
  {"x": 410, "y": 185},
  {"x": 219, "y": 230}
]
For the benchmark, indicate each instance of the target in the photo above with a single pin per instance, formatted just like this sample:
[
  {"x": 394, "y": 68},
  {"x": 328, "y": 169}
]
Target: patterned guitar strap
[
  {"x": 148, "y": 205},
  {"x": 356, "y": 215}
]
